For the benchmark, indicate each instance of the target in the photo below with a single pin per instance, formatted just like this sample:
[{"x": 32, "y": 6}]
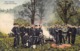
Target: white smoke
[
  {"x": 46, "y": 33},
  {"x": 6, "y": 22},
  {"x": 50, "y": 11}
]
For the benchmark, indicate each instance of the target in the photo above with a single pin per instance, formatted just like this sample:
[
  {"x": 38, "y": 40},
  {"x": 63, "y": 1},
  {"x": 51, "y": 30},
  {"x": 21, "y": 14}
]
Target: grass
[{"x": 6, "y": 45}]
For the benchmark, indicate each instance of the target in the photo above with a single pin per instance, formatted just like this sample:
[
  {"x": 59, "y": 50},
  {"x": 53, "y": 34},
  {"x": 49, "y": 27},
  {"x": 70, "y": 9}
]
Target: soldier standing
[
  {"x": 56, "y": 35},
  {"x": 16, "y": 32},
  {"x": 60, "y": 35},
  {"x": 22, "y": 33},
  {"x": 69, "y": 32},
  {"x": 28, "y": 28},
  {"x": 64, "y": 30},
  {"x": 33, "y": 35},
  {"x": 73, "y": 35}
]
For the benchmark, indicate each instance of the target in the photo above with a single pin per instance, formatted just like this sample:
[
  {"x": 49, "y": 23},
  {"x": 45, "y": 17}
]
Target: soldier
[
  {"x": 26, "y": 40},
  {"x": 37, "y": 33},
  {"x": 31, "y": 30},
  {"x": 41, "y": 36},
  {"x": 22, "y": 33},
  {"x": 33, "y": 35},
  {"x": 28, "y": 37},
  {"x": 16, "y": 32},
  {"x": 60, "y": 35},
  {"x": 40, "y": 29},
  {"x": 73, "y": 35},
  {"x": 37, "y": 30},
  {"x": 28, "y": 29},
  {"x": 64, "y": 30},
  {"x": 69, "y": 32},
  {"x": 56, "y": 35},
  {"x": 54, "y": 32}
]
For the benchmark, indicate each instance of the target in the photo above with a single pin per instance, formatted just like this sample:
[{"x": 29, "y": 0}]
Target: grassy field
[{"x": 6, "y": 45}]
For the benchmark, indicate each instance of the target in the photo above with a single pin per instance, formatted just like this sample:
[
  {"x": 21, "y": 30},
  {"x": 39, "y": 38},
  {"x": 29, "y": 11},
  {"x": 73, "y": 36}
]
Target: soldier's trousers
[
  {"x": 22, "y": 40},
  {"x": 68, "y": 38},
  {"x": 73, "y": 39},
  {"x": 60, "y": 39},
  {"x": 34, "y": 40},
  {"x": 57, "y": 39},
  {"x": 16, "y": 40}
]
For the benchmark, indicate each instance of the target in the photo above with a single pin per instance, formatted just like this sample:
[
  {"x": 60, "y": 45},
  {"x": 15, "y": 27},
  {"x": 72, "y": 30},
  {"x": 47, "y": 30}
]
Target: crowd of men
[
  {"x": 64, "y": 34},
  {"x": 33, "y": 35},
  {"x": 29, "y": 35}
]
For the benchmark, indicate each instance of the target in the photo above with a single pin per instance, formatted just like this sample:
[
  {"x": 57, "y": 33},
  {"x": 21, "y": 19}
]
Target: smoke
[
  {"x": 50, "y": 11},
  {"x": 49, "y": 15},
  {"x": 6, "y": 22},
  {"x": 46, "y": 33}
]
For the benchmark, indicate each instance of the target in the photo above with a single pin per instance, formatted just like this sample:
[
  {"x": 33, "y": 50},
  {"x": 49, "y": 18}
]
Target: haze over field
[{"x": 6, "y": 22}]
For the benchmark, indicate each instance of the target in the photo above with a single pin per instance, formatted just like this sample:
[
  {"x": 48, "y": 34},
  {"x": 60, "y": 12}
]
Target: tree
[
  {"x": 29, "y": 10},
  {"x": 33, "y": 9},
  {"x": 41, "y": 9},
  {"x": 65, "y": 10}
]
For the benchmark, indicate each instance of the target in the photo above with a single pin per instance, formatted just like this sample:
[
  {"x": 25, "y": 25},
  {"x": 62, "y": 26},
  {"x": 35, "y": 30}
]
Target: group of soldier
[
  {"x": 32, "y": 35},
  {"x": 29, "y": 35},
  {"x": 64, "y": 34}
]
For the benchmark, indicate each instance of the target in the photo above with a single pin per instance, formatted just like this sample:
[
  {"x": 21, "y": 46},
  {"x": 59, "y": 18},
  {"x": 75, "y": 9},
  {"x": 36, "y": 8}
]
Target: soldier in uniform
[
  {"x": 28, "y": 37},
  {"x": 28, "y": 28},
  {"x": 56, "y": 29},
  {"x": 41, "y": 36},
  {"x": 22, "y": 33},
  {"x": 26, "y": 40},
  {"x": 40, "y": 29},
  {"x": 16, "y": 32},
  {"x": 64, "y": 30},
  {"x": 33, "y": 35},
  {"x": 69, "y": 32},
  {"x": 73, "y": 35},
  {"x": 60, "y": 35}
]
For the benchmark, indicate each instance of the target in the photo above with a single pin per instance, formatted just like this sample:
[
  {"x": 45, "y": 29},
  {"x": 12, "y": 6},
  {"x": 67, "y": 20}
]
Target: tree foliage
[
  {"x": 41, "y": 9},
  {"x": 33, "y": 9},
  {"x": 21, "y": 21},
  {"x": 66, "y": 10},
  {"x": 29, "y": 10}
]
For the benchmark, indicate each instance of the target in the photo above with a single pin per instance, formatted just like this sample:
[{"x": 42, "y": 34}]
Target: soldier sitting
[{"x": 26, "y": 40}]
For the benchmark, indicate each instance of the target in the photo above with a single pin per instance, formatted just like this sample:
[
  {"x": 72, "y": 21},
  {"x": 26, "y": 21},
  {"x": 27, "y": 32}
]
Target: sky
[{"x": 10, "y": 4}]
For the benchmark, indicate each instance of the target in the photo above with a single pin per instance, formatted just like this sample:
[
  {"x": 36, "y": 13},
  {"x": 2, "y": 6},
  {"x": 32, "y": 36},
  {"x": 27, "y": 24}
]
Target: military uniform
[
  {"x": 68, "y": 37},
  {"x": 28, "y": 31},
  {"x": 73, "y": 35},
  {"x": 16, "y": 32},
  {"x": 22, "y": 33},
  {"x": 64, "y": 34},
  {"x": 56, "y": 35},
  {"x": 60, "y": 36}
]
